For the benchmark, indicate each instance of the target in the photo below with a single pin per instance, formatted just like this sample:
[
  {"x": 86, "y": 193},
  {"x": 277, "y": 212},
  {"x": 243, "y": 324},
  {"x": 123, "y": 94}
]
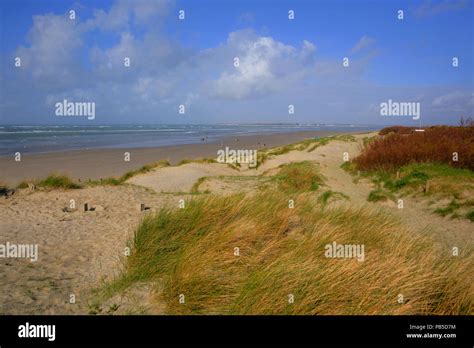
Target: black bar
[{"x": 261, "y": 330}]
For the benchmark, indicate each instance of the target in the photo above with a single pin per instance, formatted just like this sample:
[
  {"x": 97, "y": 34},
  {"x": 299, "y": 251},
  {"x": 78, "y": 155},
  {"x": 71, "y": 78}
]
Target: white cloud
[
  {"x": 125, "y": 13},
  {"x": 455, "y": 101},
  {"x": 430, "y": 8},
  {"x": 265, "y": 65},
  {"x": 363, "y": 43},
  {"x": 52, "y": 53}
]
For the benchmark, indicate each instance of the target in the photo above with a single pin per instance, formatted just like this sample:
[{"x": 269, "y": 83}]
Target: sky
[{"x": 191, "y": 61}]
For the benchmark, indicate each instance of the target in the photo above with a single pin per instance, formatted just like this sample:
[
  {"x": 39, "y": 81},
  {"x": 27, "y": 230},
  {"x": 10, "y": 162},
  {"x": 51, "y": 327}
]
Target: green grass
[
  {"x": 450, "y": 209},
  {"x": 329, "y": 195},
  {"x": 442, "y": 178},
  {"x": 120, "y": 180},
  {"x": 64, "y": 182},
  {"x": 199, "y": 160},
  {"x": 307, "y": 144},
  {"x": 470, "y": 215},
  {"x": 378, "y": 195},
  {"x": 298, "y": 177},
  {"x": 457, "y": 209},
  {"x": 414, "y": 175},
  {"x": 195, "y": 188},
  {"x": 439, "y": 181},
  {"x": 53, "y": 181},
  {"x": 348, "y": 167},
  {"x": 190, "y": 251},
  {"x": 437, "y": 170},
  {"x": 412, "y": 178},
  {"x": 367, "y": 140}
]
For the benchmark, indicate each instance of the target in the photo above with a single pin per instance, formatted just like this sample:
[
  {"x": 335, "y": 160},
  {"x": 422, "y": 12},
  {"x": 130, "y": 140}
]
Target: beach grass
[
  {"x": 112, "y": 181},
  {"x": 281, "y": 254},
  {"x": 304, "y": 145},
  {"x": 327, "y": 196},
  {"x": 198, "y": 160},
  {"x": 298, "y": 177},
  {"x": 53, "y": 181},
  {"x": 65, "y": 182},
  {"x": 378, "y": 195},
  {"x": 195, "y": 188}
]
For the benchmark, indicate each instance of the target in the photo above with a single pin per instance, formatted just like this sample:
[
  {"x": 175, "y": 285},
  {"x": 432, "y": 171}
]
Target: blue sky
[{"x": 190, "y": 61}]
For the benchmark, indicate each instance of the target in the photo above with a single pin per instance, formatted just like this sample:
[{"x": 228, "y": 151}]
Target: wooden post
[
  {"x": 86, "y": 207},
  {"x": 142, "y": 206}
]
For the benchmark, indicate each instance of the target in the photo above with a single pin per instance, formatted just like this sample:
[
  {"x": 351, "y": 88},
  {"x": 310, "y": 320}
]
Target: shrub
[{"x": 435, "y": 144}]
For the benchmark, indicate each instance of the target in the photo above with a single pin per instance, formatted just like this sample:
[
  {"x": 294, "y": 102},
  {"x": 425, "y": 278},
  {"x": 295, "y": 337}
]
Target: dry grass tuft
[{"x": 191, "y": 251}]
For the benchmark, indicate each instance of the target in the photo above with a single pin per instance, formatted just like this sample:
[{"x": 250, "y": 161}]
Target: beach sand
[{"x": 100, "y": 163}]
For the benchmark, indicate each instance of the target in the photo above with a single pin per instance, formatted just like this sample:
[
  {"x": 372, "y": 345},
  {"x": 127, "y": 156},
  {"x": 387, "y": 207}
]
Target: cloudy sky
[{"x": 191, "y": 61}]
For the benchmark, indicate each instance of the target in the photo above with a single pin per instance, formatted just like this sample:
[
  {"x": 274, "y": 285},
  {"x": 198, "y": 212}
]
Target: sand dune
[
  {"x": 77, "y": 250},
  {"x": 180, "y": 178}
]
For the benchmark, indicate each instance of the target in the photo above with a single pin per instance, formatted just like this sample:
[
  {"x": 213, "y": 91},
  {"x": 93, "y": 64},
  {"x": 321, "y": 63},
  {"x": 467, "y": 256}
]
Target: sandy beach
[{"x": 100, "y": 163}]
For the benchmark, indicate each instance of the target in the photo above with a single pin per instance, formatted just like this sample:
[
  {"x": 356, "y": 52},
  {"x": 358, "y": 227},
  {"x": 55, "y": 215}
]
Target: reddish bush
[{"x": 435, "y": 144}]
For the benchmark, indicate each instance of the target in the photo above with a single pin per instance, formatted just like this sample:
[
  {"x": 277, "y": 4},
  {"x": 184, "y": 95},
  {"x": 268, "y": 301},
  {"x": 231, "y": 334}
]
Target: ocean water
[{"x": 41, "y": 139}]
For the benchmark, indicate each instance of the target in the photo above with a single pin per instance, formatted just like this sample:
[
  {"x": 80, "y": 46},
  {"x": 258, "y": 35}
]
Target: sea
[{"x": 43, "y": 139}]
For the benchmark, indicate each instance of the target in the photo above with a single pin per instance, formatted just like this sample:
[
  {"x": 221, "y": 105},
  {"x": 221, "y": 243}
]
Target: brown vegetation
[{"x": 402, "y": 146}]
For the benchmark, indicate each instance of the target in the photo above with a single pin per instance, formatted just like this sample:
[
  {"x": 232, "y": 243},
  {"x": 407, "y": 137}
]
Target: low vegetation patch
[
  {"x": 298, "y": 177},
  {"x": 327, "y": 196},
  {"x": 54, "y": 181},
  {"x": 64, "y": 182},
  {"x": 378, "y": 195},
  {"x": 195, "y": 188},
  {"x": 305, "y": 145},
  {"x": 470, "y": 215},
  {"x": 120, "y": 180},
  {"x": 199, "y": 160}
]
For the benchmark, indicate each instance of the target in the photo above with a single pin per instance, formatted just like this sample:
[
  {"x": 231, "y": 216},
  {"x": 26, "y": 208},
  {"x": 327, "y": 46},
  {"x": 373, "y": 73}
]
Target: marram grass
[{"x": 191, "y": 251}]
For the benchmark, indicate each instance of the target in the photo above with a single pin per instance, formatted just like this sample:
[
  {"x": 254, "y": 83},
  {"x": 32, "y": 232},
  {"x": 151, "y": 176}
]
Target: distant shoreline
[
  {"x": 100, "y": 163},
  {"x": 47, "y": 139}
]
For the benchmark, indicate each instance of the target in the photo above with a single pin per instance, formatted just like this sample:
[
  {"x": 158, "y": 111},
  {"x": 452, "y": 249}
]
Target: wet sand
[{"x": 101, "y": 163}]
